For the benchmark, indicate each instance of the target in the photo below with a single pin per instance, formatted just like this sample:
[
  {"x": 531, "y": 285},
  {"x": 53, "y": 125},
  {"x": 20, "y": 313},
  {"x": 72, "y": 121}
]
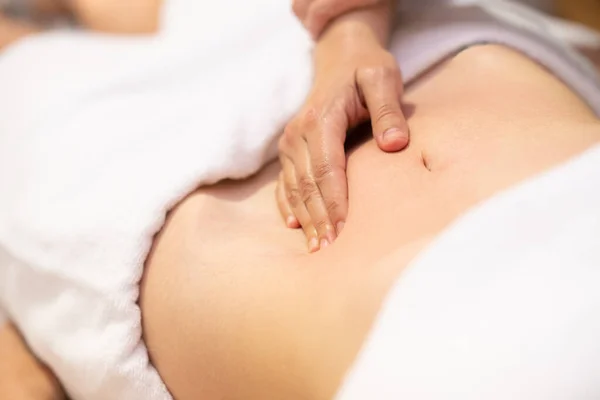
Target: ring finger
[{"x": 295, "y": 201}]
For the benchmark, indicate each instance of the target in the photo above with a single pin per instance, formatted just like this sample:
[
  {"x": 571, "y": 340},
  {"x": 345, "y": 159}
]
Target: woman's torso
[{"x": 480, "y": 123}]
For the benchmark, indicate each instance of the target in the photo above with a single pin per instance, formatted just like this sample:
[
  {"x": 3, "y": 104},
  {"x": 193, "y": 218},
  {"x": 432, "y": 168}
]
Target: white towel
[
  {"x": 100, "y": 136},
  {"x": 504, "y": 305}
]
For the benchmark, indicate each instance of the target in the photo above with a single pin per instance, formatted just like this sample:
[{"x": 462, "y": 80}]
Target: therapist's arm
[
  {"x": 22, "y": 376},
  {"x": 316, "y": 15}
]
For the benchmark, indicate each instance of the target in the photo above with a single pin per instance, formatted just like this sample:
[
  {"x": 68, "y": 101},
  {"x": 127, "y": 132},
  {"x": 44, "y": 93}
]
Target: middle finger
[
  {"x": 295, "y": 201},
  {"x": 310, "y": 194}
]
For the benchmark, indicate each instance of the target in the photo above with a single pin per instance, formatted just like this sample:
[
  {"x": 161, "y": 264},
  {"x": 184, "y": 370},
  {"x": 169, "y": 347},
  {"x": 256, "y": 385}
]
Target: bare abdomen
[{"x": 232, "y": 304}]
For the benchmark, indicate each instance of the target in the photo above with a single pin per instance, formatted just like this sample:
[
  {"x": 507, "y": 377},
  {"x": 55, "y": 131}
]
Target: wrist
[
  {"x": 353, "y": 35},
  {"x": 345, "y": 51},
  {"x": 372, "y": 23}
]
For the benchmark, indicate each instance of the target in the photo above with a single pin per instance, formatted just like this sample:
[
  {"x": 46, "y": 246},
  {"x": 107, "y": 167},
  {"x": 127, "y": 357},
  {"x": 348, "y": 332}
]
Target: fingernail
[
  {"x": 291, "y": 222},
  {"x": 324, "y": 243},
  {"x": 391, "y": 134},
  {"x": 340, "y": 226},
  {"x": 313, "y": 245}
]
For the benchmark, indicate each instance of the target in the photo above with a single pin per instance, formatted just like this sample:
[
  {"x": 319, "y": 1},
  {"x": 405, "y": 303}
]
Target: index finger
[{"x": 328, "y": 160}]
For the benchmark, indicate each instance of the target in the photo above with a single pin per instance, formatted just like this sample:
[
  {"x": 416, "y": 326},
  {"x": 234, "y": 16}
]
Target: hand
[
  {"x": 351, "y": 86},
  {"x": 22, "y": 376},
  {"x": 315, "y": 15}
]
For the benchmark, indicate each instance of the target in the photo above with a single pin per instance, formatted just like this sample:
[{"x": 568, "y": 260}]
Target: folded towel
[
  {"x": 503, "y": 305},
  {"x": 100, "y": 136}
]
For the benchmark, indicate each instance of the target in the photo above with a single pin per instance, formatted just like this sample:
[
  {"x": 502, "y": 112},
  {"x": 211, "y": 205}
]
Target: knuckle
[
  {"x": 308, "y": 188},
  {"x": 321, "y": 225},
  {"x": 383, "y": 112},
  {"x": 309, "y": 117},
  {"x": 323, "y": 171},
  {"x": 293, "y": 196},
  {"x": 289, "y": 131},
  {"x": 286, "y": 140},
  {"x": 332, "y": 206}
]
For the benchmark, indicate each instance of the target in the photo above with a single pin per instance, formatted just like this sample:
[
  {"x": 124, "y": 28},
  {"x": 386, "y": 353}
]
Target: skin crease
[{"x": 233, "y": 307}]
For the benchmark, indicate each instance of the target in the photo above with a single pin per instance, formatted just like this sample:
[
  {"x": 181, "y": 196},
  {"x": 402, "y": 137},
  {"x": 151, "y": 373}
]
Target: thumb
[{"x": 381, "y": 92}]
